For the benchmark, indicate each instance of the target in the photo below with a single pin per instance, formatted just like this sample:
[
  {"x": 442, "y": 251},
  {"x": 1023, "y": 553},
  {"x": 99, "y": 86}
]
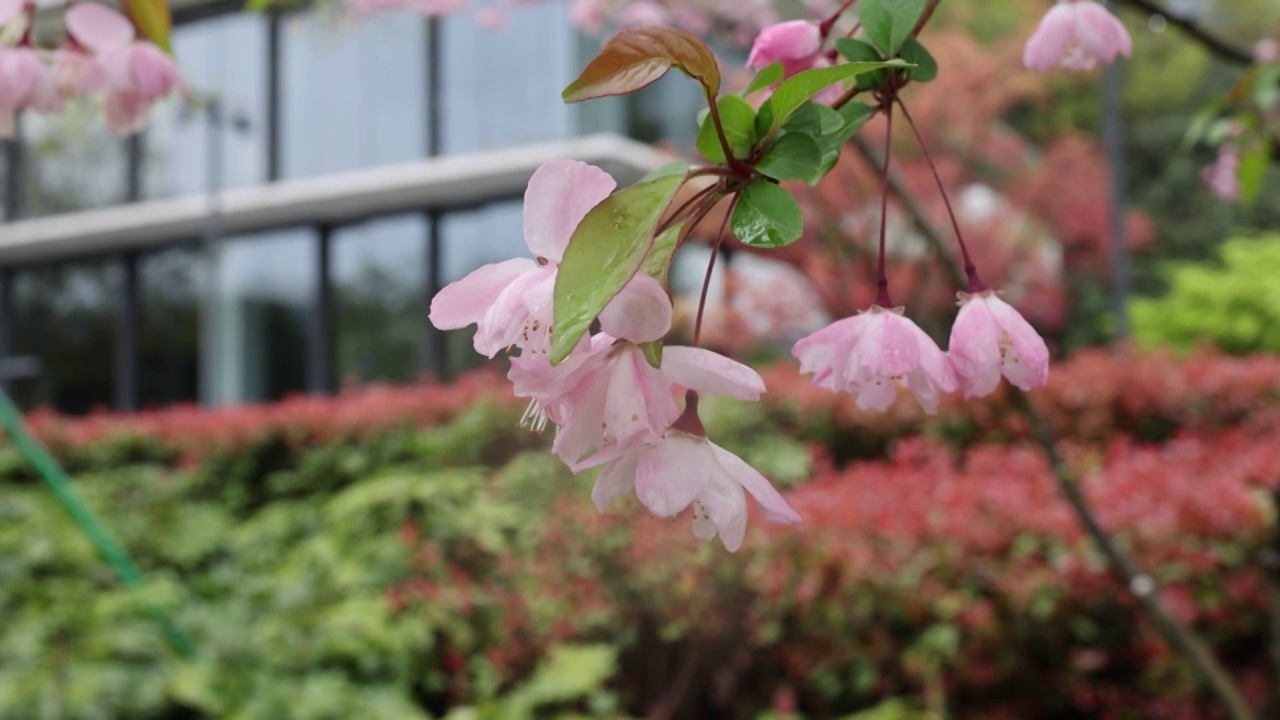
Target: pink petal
[
  {"x": 19, "y": 73},
  {"x": 726, "y": 506},
  {"x": 785, "y": 42},
  {"x": 582, "y": 433},
  {"x": 639, "y": 402},
  {"x": 1047, "y": 46},
  {"x": 9, "y": 10},
  {"x": 776, "y": 508},
  {"x": 97, "y": 26},
  {"x": 466, "y": 301},
  {"x": 1027, "y": 363},
  {"x": 1101, "y": 34},
  {"x": 671, "y": 474},
  {"x": 509, "y": 322},
  {"x": 559, "y": 195},
  {"x": 975, "y": 348},
  {"x": 876, "y": 394},
  {"x": 616, "y": 480},
  {"x": 154, "y": 74},
  {"x": 640, "y": 312},
  {"x": 933, "y": 362},
  {"x": 710, "y": 372},
  {"x": 888, "y": 346}
]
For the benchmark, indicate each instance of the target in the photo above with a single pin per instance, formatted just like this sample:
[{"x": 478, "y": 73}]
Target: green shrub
[{"x": 1235, "y": 304}]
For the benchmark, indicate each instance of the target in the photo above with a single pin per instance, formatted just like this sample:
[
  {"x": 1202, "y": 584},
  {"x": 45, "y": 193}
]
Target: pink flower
[
  {"x": 1266, "y": 51},
  {"x": 679, "y": 470},
  {"x": 1222, "y": 175},
  {"x": 10, "y": 11},
  {"x": 588, "y": 15},
  {"x": 25, "y": 83},
  {"x": 644, "y": 13},
  {"x": 796, "y": 44},
  {"x": 1077, "y": 35},
  {"x": 606, "y": 399},
  {"x": 865, "y": 354},
  {"x": 132, "y": 74},
  {"x": 990, "y": 339},
  {"x": 511, "y": 302}
]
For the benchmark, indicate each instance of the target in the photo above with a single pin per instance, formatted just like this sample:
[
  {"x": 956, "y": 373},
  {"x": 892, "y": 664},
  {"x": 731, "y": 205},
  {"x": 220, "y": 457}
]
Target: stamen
[{"x": 535, "y": 417}]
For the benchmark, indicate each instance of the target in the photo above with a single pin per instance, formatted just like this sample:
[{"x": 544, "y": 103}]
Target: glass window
[
  {"x": 70, "y": 162},
  {"x": 352, "y": 96},
  {"x": 264, "y": 286},
  {"x": 471, "y": 238},
  {"x": 66, "y": 318},
  {"x": 380, "y": 271},
  {"x": 172, "y": 284},
  {"x": 502, "y": 86},
  {"x": 222, "y": 58}
]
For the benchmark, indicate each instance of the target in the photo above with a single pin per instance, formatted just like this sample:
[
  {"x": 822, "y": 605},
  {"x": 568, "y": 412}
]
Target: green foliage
[
  {"x": 889, "y": 22},
  {"x": 606, "y": 250},
  {"x": 738, "y": 120},
  {"x": 767, "y": 216},
  {"x": 1235, "y": 305}
]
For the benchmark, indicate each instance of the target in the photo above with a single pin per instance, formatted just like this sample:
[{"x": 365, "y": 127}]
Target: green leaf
[
  {"x": 675, "y": 168},
  {"x": 634, "y": 58},
  {"x": 152, "y": 19},
  {"x": 794, "y": 91},
  {"x": 771, "y": 75},
  {"x": 850, "y": 119},
  {"x": 766, "y": 216},
  {"x": 1252, "y": 171},
  {"x": 652, "y": 353},
  {"x": 1266, "y": 89},
  {"x": 739, "y": 121},
  {"x": 605, "y": 251},
  {"x": 926, "y": 68},
  {"x": 806, "y": 119},
  {"x": 764, "y": 119},
  {"x": 657, "y": 264},
  {"x": 889, "y": 22},
  {"x": 795, "y": 156},
  {"x": 863, "y": 51}
]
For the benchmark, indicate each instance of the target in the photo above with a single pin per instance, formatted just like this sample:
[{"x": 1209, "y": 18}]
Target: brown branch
[
  {"x": 1222, "y": 48},
  {"x": 1141, "y": 584},
  {"x": 1179, "y": 636}
]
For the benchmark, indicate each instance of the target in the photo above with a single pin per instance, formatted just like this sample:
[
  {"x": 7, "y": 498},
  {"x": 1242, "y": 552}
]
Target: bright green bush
[{"x": 1234, "y": 305}]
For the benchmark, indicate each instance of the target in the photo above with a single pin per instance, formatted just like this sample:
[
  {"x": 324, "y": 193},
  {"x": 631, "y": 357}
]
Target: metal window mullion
[
  {"x": 274, "y": 151},
  {"x": 128, "y": 321},
  {"x": 320, "y": 350},
  {"x": 6, "y": 324}
]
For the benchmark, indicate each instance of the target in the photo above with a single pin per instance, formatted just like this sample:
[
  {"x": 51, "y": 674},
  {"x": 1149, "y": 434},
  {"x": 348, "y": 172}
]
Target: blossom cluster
[
  {"x": 100, "y": 56},
  {"x": 611, "y": 406}
]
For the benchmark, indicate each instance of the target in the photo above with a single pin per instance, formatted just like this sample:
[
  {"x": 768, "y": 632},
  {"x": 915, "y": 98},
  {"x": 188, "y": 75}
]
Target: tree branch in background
[
  {"x": 1222, "y": 48},
  {"x": 1143, "y": 586}
]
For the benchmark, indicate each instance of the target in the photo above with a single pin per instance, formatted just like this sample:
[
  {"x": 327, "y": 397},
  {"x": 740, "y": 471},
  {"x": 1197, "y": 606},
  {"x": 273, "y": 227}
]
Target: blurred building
[{"x": 283, "y": 230}]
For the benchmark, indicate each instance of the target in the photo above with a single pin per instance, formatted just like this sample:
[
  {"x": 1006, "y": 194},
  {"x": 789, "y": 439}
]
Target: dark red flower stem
[
  {"x": 825, "y": 26},
  {"x": 711, "y": 266},
  {"x": 970, "y": 270},
  {"x": 882, "y": 276},
  {"x": 689, "y": 422}
]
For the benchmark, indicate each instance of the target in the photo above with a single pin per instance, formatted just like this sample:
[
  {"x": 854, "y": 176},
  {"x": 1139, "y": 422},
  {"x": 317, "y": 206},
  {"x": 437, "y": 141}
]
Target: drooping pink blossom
[
  {"x": 866, "y": 355},
  {"x": 511, "y": 302},
  {"x": 1077, "y": 35},
  {"x": 989, "y": 339},
  {"x": 1222, "y": 175},
  {"x": 797, "y": 44},
  {"x": 1266, "y": 51},
  {"x": 131, "y": 74},
  {"x": 606, "y": 399},
  {"x": 25, "y": 83},
  {"x": 679, "y": 470}
]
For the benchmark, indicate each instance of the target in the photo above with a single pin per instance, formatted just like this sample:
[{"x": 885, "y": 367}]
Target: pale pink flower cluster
[
  {"x": 870, "y": 354},
  {"x": 1077, "y": 35},
  {"x": 797, "y": 45},
  {"x": 1223, "y": 175},
  {"x": 610, "y": 406},
  {"x": 101, "y": 57}
]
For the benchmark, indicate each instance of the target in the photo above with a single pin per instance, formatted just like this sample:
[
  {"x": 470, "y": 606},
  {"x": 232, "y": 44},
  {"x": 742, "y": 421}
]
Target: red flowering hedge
[{"x": 936, "y": 560}]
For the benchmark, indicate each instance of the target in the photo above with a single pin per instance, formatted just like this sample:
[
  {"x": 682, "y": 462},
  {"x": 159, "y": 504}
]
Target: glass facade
[{"x": 253, "y": 317}]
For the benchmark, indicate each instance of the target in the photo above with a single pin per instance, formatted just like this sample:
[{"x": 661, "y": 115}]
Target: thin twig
[
  {"x": 1222, "y": 48},
  {"x": 1141, "y": 584}
]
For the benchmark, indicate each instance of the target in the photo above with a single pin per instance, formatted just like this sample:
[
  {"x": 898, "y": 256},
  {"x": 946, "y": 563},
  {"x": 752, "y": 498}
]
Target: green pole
[{"x": 54, "y": 477}]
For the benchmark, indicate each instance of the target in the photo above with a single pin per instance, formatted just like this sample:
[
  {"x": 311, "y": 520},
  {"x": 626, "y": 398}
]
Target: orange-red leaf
[{"x": 634, "y": 58}]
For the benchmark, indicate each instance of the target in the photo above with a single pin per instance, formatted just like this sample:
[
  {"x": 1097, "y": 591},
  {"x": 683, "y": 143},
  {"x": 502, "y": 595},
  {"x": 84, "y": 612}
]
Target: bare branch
[{"x": 1222, "y": 48}]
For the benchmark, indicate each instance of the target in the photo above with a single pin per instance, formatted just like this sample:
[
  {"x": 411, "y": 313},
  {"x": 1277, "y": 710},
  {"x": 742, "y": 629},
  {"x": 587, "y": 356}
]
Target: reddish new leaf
[
  {"x": 153, "y": 19},
  {"x": 635, "y": 58}
]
